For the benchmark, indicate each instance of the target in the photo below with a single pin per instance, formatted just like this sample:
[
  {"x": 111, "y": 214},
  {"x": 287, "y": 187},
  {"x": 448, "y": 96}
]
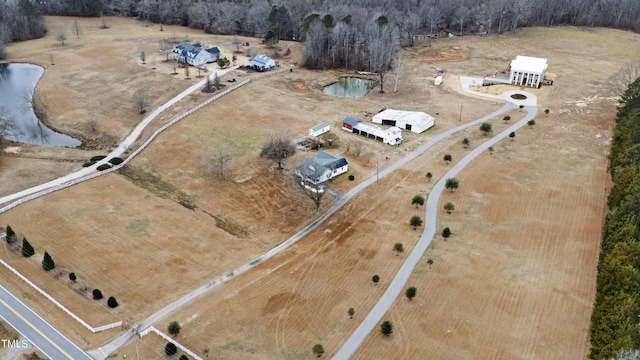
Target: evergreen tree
[
  {"x": 47, "y": 262},
  {"x": 11, "y": 235},
  {"x": 27, "y": 249},
  {"x": 112, "y": 302}
]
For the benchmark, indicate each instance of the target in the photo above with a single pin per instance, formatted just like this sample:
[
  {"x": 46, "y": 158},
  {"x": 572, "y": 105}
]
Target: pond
[
  {"x": 351, "y": 87},
  {"x": 17, "y": 80}
]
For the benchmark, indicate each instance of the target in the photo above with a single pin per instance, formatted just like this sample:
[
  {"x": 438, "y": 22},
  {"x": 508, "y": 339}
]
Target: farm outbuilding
[
  {"x": 527, "y": 71},
  {"x": 324, "y": 167},
  {"x": 262, "y": 63},
  {"x": 391, "y": 136},
  {"x": 414, "y": 121},
  {"x": 319, "y": 129},
  {"x": 195, "y": 55}
]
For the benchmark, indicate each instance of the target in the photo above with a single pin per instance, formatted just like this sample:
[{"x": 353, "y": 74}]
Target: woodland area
[
  {"x": 341, "y": 31},
  {"x": 614, "y": 322}
]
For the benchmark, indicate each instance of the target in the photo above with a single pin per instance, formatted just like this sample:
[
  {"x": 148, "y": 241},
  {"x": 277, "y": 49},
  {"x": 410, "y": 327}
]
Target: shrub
[
  {"x": 446, "y": 232},
  {"x": 174, "y": 328},
  {"x": 103, "y": 167},
  {"x": 351, "y": 177},
  {"x": 170, "y": 349},
  {"x": 183, "y": 357},
  {"x": 112, "y": 302},
  {"x": 47, "y": 262},
  {"x": 72, "y": 276},
  {"x": 98, "y": 157},
  {"x": 89, "y": 163},
  {"x": 116, "y": 161},
  {"x": 97, "y": 294},
  {"x": 27, "y": 249}
]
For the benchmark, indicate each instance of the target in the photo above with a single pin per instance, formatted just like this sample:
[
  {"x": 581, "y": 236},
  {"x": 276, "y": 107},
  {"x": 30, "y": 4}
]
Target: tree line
[
  {"x": 615, "y": 321},
  {"x": 19, "y": 20},
  {"x": 336, "y": 33}
]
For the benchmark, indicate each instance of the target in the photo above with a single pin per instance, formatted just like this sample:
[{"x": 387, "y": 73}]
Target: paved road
[
  {"x": 122, "y": 147},
  {"x": 399, "y": 281},
  {"x": 39, "y": 332}
]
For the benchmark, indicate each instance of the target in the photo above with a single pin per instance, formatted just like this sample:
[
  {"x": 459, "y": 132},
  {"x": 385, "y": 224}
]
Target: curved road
[{"x": 398, "y": 282}]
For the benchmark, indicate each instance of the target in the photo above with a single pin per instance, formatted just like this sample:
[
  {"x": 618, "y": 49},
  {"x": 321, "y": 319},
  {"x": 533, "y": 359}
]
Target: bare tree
[
  {"x": 382, "y": 45},
  {"x": 278, "y": 148},
  {"x": 103, "y": 21},
  {"x": 143, "y": 57},
  {"x": 220, "y": 157},
  {"x": 61, "y": 36},
  {"x": 237, "y": 43},
  {"x": 141, "y": 101},
  {"x": 165, "y": 48},
  {"x": 76, "y": 29},
  {"x": 309, "y": 176},
  {"x": 8, "y": 125},
  {"x": 398, "y": 72},
  {"x": 92, "y": 123}
]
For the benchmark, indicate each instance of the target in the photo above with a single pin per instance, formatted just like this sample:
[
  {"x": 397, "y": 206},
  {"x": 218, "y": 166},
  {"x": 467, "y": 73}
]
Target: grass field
[{"x": 515, "y": 281}]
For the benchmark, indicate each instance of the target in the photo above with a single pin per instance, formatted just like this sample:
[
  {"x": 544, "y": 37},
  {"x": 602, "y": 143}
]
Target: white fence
[
  {"x": 76, "y": 317},
  {"x": 164, "y": 336}
]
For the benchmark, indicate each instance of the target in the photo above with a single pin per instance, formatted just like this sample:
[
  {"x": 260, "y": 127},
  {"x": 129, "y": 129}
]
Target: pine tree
[
  {"x": 47, "y": 262},
  {"x": 11, "y": 235},
  {"x": 27, "y": 249}
]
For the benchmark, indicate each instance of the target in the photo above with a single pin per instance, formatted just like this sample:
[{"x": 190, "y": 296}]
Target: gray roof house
[
  {"x": 262, "y": 63},
  {"x": 195, "y": 55},
  {"x": 322, "y": 168}
]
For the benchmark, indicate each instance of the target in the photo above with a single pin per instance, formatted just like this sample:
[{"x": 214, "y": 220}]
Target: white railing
[
  {"x": 166, "y": 337},
  {"x": 74, "y": 316}
]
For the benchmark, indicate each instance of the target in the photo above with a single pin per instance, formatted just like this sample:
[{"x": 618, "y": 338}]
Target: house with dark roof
[
  {"x": 195, "y": 55},
  {"x": 322, "y": 168},
  {"x": 262, "y": 63}
]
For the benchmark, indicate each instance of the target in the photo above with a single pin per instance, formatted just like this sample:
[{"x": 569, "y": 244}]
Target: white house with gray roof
[
  {"x": 195, "y": 55},
  {"x": 322, "y": 168},
  {"x": 262, "y": 62}
]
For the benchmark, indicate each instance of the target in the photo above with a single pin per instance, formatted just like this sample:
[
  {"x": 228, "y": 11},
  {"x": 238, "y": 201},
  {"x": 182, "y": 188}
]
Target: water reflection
[
  {"x": 350, "y": 87},
  {"x": 17, "y": 82}
]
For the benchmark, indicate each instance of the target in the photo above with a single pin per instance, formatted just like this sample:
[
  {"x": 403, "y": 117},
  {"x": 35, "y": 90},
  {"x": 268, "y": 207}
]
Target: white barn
[
  {"x": 527, "y": 71},
  {"x": 391, "y": 136},
  {"x": 414, "y": 121},
  {"x": 319, "y": 129}
]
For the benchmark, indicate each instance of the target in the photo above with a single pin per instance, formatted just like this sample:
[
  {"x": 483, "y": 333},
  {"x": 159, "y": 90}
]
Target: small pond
[
  {"x": 351, "y": 87},
  {"x": 15, "y": 81}
]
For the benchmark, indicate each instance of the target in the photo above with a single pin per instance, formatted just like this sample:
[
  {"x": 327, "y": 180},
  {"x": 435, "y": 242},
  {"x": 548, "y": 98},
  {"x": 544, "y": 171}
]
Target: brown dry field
[{"x": 516, "y": 280}]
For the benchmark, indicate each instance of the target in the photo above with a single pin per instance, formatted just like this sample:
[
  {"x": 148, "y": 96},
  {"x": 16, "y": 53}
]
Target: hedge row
[{"x": 617, "y": 305}]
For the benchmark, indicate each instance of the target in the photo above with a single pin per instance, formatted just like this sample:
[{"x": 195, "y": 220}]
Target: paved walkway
[
  {"x": 397, "y": 284},
  {"x": 122, "y": 147}
]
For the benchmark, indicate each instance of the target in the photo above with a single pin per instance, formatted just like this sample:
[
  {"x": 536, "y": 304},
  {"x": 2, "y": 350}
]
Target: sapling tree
[
  {"x": 398, "y": 248},
  {"x": 417, "y": 200},
  {"x": 47, "y": 262},
  {"x": 375, "y": 279},
  {"x": 411, "y": 293},
  {"x": 449, "y": 207},
  {"x": 415, "y": 221}
]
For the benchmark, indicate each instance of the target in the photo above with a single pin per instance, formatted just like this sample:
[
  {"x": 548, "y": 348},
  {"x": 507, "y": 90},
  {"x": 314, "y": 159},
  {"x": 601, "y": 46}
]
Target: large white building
[
  {"x": 414, "y": 121},
  {"x": 391, "y": 136},
  {"x": 527, "y": 71}
]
